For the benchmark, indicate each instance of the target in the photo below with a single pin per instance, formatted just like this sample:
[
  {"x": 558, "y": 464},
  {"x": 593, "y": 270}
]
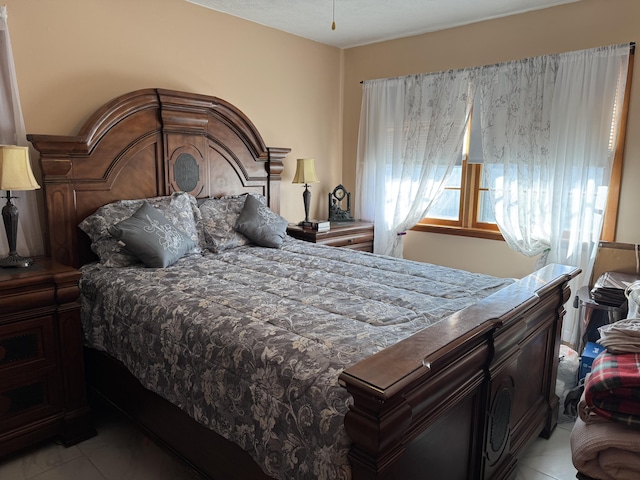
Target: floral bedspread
[{"x": 250, "y": 341}]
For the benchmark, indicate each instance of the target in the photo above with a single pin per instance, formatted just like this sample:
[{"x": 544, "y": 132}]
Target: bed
[{"x": 459, "y": 399}]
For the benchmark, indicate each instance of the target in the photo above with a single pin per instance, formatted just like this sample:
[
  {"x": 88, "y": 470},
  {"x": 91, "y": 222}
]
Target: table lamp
[
  {"x": 15, "y": 174},
  {"x": 305, "y": 173}
]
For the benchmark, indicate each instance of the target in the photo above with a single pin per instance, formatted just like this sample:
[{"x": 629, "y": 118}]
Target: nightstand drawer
[
  {"x": 28, "y": 399},
  {"x": 351, "y": 241},
  {"x": 27, "y": 342},
  {"x": 18, "y": 296},
  {"x": 363, "y": 247}
]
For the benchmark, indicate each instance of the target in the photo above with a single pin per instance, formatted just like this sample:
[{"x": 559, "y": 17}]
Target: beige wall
[
  {"x": 72, "y": 56},
  {"x": 584, "y": 24}
]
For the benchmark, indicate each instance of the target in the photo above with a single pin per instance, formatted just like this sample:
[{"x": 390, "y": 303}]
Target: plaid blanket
[{"x": 613, "y": 388}]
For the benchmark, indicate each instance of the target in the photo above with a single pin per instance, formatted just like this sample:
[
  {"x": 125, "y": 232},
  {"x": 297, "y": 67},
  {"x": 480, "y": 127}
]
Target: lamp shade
[
  {"x": 15, "y": 169},
  {"x": 305, "y": 171}
]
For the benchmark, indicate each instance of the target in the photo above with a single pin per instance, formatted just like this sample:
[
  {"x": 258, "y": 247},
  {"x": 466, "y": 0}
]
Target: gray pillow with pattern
[
  {"x": 151, "y": 237},
  {"x": 219, "y": 217},
  {"x": 261, "y": 225},
  {"x": 181, "y": 209}
]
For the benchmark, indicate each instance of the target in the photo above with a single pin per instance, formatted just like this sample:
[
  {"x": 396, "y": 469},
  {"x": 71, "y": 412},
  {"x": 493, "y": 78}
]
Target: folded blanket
[
  {"x": 586, "y": 413},
  {"x": 606, "y": 450},
  {"x": 621, "y": 337},
  {"x": 613, "y": 388}
]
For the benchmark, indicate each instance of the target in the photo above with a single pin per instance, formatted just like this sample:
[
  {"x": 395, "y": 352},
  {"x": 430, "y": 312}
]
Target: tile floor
[
  {"x": 121, "y": 452},
  {"x": 548, "y": 459}
]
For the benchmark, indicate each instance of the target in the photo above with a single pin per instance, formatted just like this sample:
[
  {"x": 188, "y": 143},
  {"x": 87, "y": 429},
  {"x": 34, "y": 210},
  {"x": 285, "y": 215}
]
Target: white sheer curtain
[
  {"x": 411, "y": 133},
  {"x": 515, "y": 101},
  {"x": 549, "y": 131},
  {"x": 12, "y": 132}
]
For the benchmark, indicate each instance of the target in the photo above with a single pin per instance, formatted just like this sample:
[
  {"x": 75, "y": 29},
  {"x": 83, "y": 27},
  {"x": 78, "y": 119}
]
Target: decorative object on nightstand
[
  {"x": 336, "y": 213},
  {"x": 15, "y": 174},
  {"x": 318, "y": 225},
  {"x": 305, "y": 173}
]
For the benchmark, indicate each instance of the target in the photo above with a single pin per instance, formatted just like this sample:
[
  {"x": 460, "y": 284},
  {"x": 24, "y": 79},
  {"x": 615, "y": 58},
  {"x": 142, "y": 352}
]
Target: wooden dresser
[
  {"x": 355, "y": 235},
  {"x": 42, "y": 388}
]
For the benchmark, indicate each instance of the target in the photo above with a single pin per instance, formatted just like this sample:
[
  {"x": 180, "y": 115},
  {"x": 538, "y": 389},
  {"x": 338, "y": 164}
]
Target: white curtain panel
[
  {"x": 549, "y": 130},
  {"x": 586, "y": 115},
  {"x": 12, "y": 132},
  {"x": 515, "y": 101},
  {"x": 411, "y": 133}
]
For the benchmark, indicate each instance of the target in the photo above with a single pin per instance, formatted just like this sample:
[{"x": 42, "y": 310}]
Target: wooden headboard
[{"x": 149, "y": 143}]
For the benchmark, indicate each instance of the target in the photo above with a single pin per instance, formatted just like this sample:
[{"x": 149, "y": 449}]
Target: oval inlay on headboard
[{"x": 186, "y": 172}]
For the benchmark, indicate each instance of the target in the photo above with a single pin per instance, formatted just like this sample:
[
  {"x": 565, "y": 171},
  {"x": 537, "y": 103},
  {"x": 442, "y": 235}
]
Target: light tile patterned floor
[
  {"x": 121, "y": 452},
  {"x": 549, "y": 459}
]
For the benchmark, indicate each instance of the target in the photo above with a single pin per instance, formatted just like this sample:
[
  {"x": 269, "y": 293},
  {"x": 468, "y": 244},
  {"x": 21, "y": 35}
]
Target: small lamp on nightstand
[
  {"x": 15, "y": 174},
  {"x": 306, "y": 173}
]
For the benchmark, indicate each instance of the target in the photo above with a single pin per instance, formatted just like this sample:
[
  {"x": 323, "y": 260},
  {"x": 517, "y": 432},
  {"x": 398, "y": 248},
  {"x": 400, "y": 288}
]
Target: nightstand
[
  {"x": 355, "y": 235},
  {"x": 42, "y": 388}
]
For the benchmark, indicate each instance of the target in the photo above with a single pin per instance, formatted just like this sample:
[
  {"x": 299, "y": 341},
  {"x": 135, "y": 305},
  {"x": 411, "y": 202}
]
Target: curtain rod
[{"x": 632, "y": 51}]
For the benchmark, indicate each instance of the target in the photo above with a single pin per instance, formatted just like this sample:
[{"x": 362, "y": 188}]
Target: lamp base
[{"x": 15, "y": 261}]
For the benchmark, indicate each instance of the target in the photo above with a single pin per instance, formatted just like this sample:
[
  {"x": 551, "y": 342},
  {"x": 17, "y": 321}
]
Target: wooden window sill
[{"x": 466, "y": 232}]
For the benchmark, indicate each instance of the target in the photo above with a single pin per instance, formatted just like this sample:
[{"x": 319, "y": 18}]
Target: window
[{"x": 464, "y": 207}]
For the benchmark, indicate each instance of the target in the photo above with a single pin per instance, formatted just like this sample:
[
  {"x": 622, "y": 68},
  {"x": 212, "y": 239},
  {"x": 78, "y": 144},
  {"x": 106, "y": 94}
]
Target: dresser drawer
[
  {"x": 29, "y": 398},
  {"x": 29, "y": 342}
]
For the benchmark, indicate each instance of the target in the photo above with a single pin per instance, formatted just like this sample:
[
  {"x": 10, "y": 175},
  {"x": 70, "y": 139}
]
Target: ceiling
[{"x": 359, "y": 22}]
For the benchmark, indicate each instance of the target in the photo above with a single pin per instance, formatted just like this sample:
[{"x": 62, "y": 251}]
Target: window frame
[
  {"x": 468, "y": 224},
  {"x": 610, "y": 220}
]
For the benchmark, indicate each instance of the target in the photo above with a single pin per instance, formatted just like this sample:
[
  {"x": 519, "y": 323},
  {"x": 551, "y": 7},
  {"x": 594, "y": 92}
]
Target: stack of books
[{"x": 317, "y": 225}]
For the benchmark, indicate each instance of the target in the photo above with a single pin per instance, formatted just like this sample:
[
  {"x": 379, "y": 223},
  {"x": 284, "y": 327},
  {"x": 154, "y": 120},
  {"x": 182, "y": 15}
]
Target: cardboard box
[
  {"x": 591, "y": 351},
  {"x": 614, "y": 257}
]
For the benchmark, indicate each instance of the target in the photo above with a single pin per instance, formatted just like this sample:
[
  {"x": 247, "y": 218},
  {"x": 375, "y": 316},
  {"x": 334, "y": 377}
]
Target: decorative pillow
[
  {"x": 219, "y": 217},
  {"x": 151, "y": 237},
  {"x": 261, "y": 225},
  {"x": 180, "y": 209}
]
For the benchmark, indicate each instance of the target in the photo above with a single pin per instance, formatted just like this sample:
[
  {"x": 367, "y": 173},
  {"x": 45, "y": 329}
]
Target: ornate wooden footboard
[
  {"x": 461, "y": 399},
  {"x": 458, "y": 400}
]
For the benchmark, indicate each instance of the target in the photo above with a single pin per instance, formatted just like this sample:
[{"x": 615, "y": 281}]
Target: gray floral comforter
[{"x": 250, "y": 341}]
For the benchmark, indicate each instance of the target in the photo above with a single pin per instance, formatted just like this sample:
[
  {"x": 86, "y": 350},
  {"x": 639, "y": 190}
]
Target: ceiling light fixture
[{"x": 333, "y": 23}]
